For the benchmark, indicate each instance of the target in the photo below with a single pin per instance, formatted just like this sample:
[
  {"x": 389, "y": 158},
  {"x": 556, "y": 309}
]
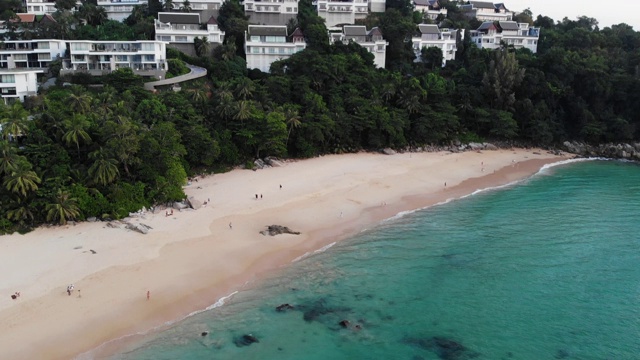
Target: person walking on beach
[
  {"x": 260, "y": 196},
  {"x": 148, "y": 295},
  {"x": 230, "y": 226},
  {"x": 280, "y": 186},
  {"x": 256, "y": 196}
]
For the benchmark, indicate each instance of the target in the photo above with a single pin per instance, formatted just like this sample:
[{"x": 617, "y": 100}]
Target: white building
[
  {"x": 41, "y": 7},
  {"x": 432, "y": 36},
  {"x": 430, "y": 8},
  {"x": 206, "y": 8},
  {"x": 145, "y": 58},
  {"x": 486, "y": 11},
  {"x": 30, "y": 54},
  {"x": 336, "y": 12},
  {"x": 119, "y": 10},
  {"x": 491, "y": 35},
  {"x": 270, "y": 12},
  {"x": 183, "y": 28},
  {"x": 18, "y": 83},
  {"x": 266, "y": 44},
  {"x": 371, "y": 40},
  {"x": 377, "y": 5}
]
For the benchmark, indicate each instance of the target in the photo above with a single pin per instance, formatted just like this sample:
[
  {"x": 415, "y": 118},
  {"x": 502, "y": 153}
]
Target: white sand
[{"x": 189, "y": 260}]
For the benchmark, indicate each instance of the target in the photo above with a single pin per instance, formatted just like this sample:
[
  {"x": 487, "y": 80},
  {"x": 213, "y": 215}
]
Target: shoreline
[{"x": 182, "y": 281}]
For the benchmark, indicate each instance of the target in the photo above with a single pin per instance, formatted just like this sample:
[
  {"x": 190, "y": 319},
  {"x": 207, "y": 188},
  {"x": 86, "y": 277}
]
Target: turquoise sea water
[{"x": 545, "y": 269}]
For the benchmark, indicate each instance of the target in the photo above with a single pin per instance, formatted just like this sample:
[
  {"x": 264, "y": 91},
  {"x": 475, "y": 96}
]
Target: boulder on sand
[
  {"x": 278, "y": 229},
  {"x": 194, "y": 203}
]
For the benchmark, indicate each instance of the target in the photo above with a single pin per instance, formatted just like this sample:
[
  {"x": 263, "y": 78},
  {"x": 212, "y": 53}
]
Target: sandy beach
[{"x": 192, "y": 258}]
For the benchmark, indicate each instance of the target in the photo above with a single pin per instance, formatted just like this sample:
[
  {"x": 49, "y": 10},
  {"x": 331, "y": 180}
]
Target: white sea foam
[
  {"x": 545, "y": 168},
  {"x": 309, "y": 253},
  {"x": 91, "y": 353}
]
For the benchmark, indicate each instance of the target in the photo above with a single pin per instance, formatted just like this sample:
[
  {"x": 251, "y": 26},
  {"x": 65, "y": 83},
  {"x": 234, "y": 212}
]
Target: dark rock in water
[
  {"x": 204, "y": 333},
  {"x": 561, "y": 354},
  {"x": 344, "y": 323},
  {"x": 284, "y": 307},
  {"x": 319, "y": 308},
  {"x": 445, "y": 348},
  {"x": 277, "y": 230},
  {"x": 245, "y": 340},
  {"x": 510, "y": 354}
]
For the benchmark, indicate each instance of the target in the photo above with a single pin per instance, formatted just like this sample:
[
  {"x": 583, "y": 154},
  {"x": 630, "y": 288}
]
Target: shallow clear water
[{"x": 546, "y": 269}]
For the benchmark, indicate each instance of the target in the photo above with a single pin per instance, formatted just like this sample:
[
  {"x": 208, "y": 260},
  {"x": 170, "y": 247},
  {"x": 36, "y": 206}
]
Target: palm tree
[
  {"x": 186, "y": 6},
  {"x": 198, "y": 95},
  {"x": 8, "y": 157},
  {"x": 202, "y": 46},
  {"x": 168, "y": 5},
  {"x": 14, "y": 121},
  {"x": 292, "y": 120},
  {"x": 104, "y": 170},
  {"x": 63, "y": 208},
  {"x": 242, "y": 111},
  {"x": 245, "y": 88},
  {"x": 78, "y": 100},
  {"x": 226, "y": 107},
  {"x": 21, "y": 179},
  {"x": 21, "y": 212},
  {"x": 76, "y": 131}
]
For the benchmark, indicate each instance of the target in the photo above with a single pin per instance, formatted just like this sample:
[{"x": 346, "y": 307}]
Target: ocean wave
[
  {"x": 91, "y": 353},
  {"x": 545, "y": 169},
  {"x": 309, "y": 253}
]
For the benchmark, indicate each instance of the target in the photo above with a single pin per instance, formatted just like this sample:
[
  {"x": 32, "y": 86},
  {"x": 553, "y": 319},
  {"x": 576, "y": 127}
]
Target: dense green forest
[{"x": 85, "y": 151}]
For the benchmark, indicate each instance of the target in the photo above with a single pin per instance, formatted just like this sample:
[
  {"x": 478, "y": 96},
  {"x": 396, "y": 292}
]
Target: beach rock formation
[
  {"x": 344, "y": 323},
  {"x": 259, "y": 164},
  {"x": 245, "y": 340},
  {"x": 388, "y": 151},
  {"x": 141, "y": 228},
  {"x": 180, "y": 205},
  {"x": 204, "y": 333},
  {"x": 612, "y": 151},
  {"x": 194, "y": 203},
  {"x": 284, "y": 307},
  {"x": 274, "y": 162},
  {"x": 444, "y": 348},
  {"x": 277, "y": 230}
]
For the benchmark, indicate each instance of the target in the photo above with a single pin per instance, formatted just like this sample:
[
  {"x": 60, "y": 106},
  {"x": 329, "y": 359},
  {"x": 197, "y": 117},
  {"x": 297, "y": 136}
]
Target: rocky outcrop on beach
[
  {"x": 269, "y": 161},
  {"x": 193, "y": 203},
  {"x": 141, "y": 228},
  {"x": 613, "y": 151},
  {"x": 274, "y": 230}
]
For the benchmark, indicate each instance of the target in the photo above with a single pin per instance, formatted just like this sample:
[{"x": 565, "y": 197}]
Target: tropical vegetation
[{"x": 83, "y": 151}]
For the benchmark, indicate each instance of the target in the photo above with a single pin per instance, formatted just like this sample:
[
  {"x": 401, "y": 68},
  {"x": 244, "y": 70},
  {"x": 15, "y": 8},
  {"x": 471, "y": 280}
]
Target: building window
[
  {"x": 79, "y": 46},
  {"x": 122, "y": 58},
  {"x": 181, "y": 39},
  {"x": 272, "y": 50},
  {"x": 5, "y": 79},
  {"x": 18, "y": 57},
  {"x": 78, "y": 57},
  {"x": 149, "y": 58}
]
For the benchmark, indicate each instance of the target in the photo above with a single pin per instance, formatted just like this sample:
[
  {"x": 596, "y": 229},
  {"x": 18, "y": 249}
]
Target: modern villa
[
  {"x": 181, "y": 29},
  {"x": 371, "y": 40},
  {"x": 336, "y": 12},
  {"x": 145, "y": 58},
  {"x": 491, "y": 35},
  {"x": 431, "y": 36},
  {"x": 266, "y": 44},
  {"x": 486, "y": 11},
  {"x": 270, "y": 12}
]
